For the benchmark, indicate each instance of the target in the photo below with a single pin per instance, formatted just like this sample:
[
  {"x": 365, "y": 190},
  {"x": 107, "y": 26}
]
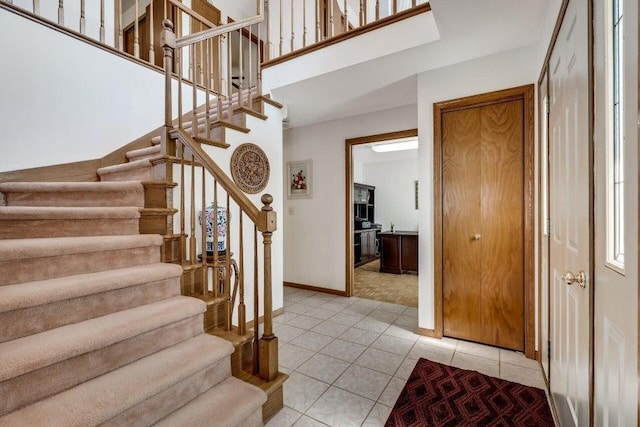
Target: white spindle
[
  {"x": 293, "y": 34},
  {"x": 102, "y": 31},
  {"x": 331, "y": 30},
  {"x": 120, "y": 36},
  {"x": 82, "y": 18},
  {"x": 304, "y": 23},
  {"x": 281, "y": 28},
  {"x": 229, "y": 76},
  {"x": 152, "y": 56},
  {"x": 240, "y": 71},
  {"x": 61, "y": 12},
  {"x": 318, "y": 33},
  {"x": 136, "y": 35},
  {"x": 346, "y": 16},
  {"x": 267, "y": 6},
  {"x": 250, "y": 65}
]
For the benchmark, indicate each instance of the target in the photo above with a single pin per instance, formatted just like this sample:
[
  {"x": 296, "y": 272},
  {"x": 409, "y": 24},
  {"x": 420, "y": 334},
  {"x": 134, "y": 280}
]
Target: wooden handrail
[
  {"x": 192, "y": 13},
  {"x": 223, "y": 179},
  {"x": 222, "y": 29}
]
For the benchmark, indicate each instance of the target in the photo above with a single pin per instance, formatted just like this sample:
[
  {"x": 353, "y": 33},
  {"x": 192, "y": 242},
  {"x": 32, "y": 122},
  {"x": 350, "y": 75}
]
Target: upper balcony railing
[{"x": 297, "y": 26}]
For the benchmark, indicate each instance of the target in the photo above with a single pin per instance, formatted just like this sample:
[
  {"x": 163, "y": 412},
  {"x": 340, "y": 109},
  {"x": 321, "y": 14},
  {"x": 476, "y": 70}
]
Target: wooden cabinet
[
  {"x": 399, "y": 252},
  {"x": 368, "y": 243},
  {"x": 365, "y": 239}
]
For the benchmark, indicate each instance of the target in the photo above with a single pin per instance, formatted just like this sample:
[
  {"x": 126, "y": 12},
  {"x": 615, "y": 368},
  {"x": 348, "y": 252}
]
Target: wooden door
[
  {"x": 569, "y": 208},
  {"x": 483, "y": 223}
]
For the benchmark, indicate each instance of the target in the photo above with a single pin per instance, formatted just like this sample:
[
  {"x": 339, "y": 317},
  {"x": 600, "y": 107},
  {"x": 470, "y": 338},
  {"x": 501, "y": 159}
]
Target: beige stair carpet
[{"x": 94, "y": 329}]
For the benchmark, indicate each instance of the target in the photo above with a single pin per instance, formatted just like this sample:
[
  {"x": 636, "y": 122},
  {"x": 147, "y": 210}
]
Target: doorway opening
[{"x": 382, "y": 217}]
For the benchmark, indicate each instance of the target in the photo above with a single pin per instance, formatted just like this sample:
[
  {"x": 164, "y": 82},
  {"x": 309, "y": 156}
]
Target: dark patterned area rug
[{"x": 440, "y": 395}]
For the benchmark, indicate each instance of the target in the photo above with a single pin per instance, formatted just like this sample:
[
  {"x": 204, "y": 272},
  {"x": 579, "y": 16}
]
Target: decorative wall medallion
[{"x": 250, "y": 168}]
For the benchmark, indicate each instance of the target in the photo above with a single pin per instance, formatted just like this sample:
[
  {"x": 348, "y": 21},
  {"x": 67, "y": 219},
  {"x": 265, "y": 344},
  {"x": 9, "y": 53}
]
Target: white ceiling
[
  {"x": 364, "y": 154},
  {"x": 469, "y": 29}
]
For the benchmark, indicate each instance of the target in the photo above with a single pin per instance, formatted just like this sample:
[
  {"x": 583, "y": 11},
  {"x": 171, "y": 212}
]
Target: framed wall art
[{"x": 299, "y": 179}]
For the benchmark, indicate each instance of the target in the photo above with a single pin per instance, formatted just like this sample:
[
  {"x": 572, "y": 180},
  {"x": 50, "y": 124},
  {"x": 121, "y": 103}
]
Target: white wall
[
  {"x": 314, "y": 229},
  {"x": 64, "y": 100},
  {"x": 395, "y": 201},
  {"x": 495, "y": 72}
]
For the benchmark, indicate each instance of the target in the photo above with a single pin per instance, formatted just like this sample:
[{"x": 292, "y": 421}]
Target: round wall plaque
[{"x": 250, "y": 168}]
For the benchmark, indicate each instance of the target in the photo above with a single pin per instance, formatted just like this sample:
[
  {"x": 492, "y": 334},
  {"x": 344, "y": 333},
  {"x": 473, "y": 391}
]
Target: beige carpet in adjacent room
[{"x": 369, "y": 283}]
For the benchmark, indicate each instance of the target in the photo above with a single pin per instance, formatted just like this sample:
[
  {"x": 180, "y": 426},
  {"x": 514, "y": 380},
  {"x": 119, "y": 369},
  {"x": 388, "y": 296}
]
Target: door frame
[
  {"x": 526, "y": 94},
  {"x": 349, "y": 144}
]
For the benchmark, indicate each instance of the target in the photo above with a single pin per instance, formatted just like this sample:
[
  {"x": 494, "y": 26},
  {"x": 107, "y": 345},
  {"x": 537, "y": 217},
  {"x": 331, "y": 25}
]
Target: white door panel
[
  {"x": 569, "y": 211},
  {"x": 616, "y": 289}
]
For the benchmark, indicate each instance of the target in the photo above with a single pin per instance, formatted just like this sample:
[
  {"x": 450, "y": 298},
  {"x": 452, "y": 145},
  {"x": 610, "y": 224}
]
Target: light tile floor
[{"x": 349, "y": 358}]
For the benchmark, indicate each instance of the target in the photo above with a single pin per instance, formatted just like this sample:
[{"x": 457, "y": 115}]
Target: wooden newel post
[
  {"x": 269, "y": 342},
  {"x": 168, "y": 43}
]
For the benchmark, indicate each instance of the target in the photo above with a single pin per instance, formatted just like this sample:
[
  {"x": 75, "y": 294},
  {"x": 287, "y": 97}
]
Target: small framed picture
[{"x": 299, "y": 179}]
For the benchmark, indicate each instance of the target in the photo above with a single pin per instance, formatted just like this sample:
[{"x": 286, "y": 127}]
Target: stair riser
[
  {"x": 242, "y": 358},
  {"x": 20, "y": 323},
  {"x": 171, "y": 250},
  {"x": 156, "y": 224},
  {"x": 26, "y": 229},
  {"x": 140, "y": 174},
  {"x": 78, "y": 198},
  {"x": 36, "y": 385},
  {"x": 173, "y": 398},
  {"x": 150, "y": 173},
  {"x": 31, "y": 269},
  {"x": 158, "y": 196},
  {"x": 216, "y": 316},
  {"x": 132, "y": 157}
]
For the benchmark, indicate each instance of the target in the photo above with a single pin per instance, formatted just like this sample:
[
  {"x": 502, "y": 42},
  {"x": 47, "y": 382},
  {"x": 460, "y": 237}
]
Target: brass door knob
[
  {"x": 477, "y": 236},
  {"x": 581, "y": 278}
]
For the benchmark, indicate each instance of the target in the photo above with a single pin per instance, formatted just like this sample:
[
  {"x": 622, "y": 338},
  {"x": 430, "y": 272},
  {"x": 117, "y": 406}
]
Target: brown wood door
[{"x": 483, "y": 224}]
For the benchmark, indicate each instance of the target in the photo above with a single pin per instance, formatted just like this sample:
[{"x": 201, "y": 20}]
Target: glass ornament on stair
[{"x": 221, "y": 221}]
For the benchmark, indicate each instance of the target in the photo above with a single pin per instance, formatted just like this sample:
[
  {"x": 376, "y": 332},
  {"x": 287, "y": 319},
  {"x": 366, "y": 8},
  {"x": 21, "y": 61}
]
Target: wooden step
[
  {"x": 107, "y": 194},
  {"x": 242, "y": 357},
  {"x": 274, "y": 390},
  {"x": 26, "y": 260},
  {"x": 170, "y": 250},
  {"x": 156, "y": 220},
  {"x": 158, "y": 194}
]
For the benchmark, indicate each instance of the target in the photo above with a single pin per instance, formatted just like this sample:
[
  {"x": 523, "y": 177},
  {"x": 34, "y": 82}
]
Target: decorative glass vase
[{"x": 221, "y": 221}]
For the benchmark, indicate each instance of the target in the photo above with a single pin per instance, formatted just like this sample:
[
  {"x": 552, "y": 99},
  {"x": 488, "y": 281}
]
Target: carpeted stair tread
[
  {"x": 228, "y": 403},
  {"x": 143, "y": 152},
  {"x": 122, "y": 193},
  {"x": 27, "y": 354},
  {"x": 14, "y": 249},
  {"x": 126, "y": 167},
  {"x": 103, "y": 398},
  {"x": 67, "y": 212},
  {"x": 25, "y": 222},
  {"x": 31, "y": 294}
]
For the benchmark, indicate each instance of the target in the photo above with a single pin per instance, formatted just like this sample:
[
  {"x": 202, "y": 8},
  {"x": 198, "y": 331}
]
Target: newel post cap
[{"x": 167, "y": 36}]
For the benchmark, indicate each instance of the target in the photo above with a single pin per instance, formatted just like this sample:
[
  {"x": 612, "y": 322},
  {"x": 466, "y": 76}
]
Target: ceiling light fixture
[{"x": 397, "y": 145}]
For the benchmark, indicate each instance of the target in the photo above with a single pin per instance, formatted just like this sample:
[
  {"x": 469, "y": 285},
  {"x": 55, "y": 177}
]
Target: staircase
[
  {"x": 108, "y": 315},
  {"x": 99, "y": 326},
  {"x": 95, "y": 330}
]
